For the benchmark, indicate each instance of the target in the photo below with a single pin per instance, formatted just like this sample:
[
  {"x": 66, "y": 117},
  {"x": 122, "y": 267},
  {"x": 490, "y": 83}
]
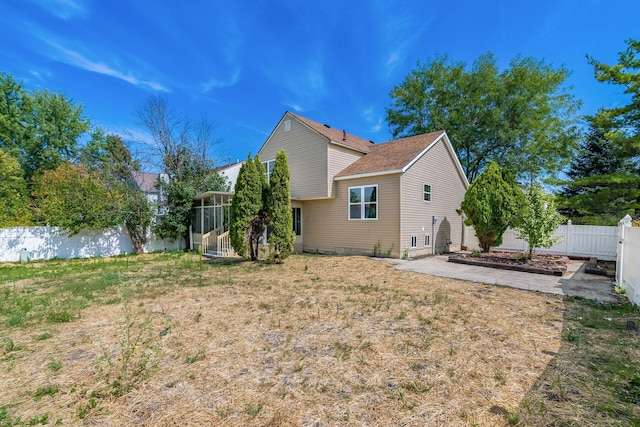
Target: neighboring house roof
[
  {"x": 393, "y": 156},
  {"x": 337, "y": 136},
  {"x": 146, "y": 181},
  {"x": 228, "y": 166}
]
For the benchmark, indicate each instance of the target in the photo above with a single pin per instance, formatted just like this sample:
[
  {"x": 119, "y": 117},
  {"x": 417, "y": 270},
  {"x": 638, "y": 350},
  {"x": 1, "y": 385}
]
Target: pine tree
[
  {"x": 282, "y": 235},
  {"x": 604, "y": 180},
  {"x": 491, "y": 204}
]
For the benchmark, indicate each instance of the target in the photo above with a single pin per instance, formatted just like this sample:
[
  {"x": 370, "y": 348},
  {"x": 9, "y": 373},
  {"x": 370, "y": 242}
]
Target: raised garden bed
[
  {"x": 600, "y": 267},
  {"x": 540, "y": 264}
]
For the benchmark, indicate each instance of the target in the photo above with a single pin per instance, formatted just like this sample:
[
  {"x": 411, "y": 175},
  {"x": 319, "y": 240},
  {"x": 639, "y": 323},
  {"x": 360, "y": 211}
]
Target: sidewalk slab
[{"x": 574, "y": 282}]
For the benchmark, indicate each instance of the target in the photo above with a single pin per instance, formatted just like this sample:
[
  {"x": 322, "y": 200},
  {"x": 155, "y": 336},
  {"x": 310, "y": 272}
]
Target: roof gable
[{"x": 393, "y": 156}]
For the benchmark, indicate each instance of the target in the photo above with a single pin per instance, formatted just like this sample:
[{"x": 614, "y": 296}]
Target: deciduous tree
[
  {"x": 70, "y": 198},
  {"x": 14, "y": 208},
  {"x": 522, "y": 117},
  {"x": 109, "y": 160},
  {"x": 492, "y": 203},
  {"x": 41, "y": 129},
  {"x": 538, "y": 220},
  {"x": 282, "y": 235},
  {"x": 185, "y": 152}
]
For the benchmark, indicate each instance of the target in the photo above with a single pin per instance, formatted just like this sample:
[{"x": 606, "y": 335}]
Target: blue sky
[{"x": 244, "y": 63}]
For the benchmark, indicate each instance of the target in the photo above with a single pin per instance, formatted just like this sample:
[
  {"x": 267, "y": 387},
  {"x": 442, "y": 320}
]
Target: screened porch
[{"x": 210, "y": 223}]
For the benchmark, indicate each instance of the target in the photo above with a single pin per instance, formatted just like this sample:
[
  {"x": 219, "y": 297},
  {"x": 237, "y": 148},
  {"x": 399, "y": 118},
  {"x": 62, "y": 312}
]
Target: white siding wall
[{"x": 438, "y": 169}]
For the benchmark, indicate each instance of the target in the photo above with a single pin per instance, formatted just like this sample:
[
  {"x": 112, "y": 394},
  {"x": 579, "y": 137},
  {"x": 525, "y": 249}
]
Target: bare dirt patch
[{"x": 317, "y": 341}]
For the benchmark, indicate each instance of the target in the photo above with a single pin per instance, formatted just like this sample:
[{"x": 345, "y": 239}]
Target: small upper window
[
  {"x": 287, "y": 125},
  {"x": 268, "y": 168},
  {"x": 427, "y": 193},
  {"x": 363, "y": 202}
]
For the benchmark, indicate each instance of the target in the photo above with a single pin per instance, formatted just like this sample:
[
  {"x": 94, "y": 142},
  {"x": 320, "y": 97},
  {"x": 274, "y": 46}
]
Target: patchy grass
[
  {"x": 594, "y": 378},
  {"x": 168, "y": 339}
]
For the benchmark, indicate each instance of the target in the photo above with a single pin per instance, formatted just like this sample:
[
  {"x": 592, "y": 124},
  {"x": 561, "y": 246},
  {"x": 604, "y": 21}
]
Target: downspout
[{"x": 434, "y": 219}]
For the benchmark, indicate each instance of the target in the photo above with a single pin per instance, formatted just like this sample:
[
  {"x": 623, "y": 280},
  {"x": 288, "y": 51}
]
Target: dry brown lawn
[{"x": 317, "y": 341}]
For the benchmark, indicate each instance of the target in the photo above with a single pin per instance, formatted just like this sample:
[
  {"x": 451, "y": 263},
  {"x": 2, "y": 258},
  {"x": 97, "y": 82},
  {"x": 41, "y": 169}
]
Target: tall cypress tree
[
  {"x": 245, "y": 205},
  {"x": 279, "y": 207}
]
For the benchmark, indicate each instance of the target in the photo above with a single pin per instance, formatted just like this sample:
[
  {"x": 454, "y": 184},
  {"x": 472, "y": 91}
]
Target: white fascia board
[
  {"x": 422, "y": 153},
  {"x": 367, "y": 175}
]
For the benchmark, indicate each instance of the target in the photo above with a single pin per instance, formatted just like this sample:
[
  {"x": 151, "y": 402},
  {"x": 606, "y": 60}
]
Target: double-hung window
[
  {"x": 363, "y": 202},
  {"x": 426, "y": 193},
  {"x": 268, "y": 167}
]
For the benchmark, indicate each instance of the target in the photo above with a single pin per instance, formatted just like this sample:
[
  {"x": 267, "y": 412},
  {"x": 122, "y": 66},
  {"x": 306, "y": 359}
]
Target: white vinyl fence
[
  {"x": 628, "y": 261},
  {"x": 574, "y": 240},
  {"x": 42, "y": 243}
]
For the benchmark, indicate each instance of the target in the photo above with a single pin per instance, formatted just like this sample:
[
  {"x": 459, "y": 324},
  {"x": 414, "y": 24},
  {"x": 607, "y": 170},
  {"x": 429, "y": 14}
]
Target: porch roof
[{"x": 208, "y": 194}]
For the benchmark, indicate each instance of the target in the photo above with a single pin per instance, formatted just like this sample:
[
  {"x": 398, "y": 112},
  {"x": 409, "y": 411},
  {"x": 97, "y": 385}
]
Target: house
[
  {"x": 351, "y": 196},
  {"x": 230, "y": 171},
  {"x": 147, "y": 183}
]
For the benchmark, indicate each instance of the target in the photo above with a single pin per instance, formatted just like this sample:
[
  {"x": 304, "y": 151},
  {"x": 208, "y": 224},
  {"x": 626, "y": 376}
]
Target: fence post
[
  {"x": 622, "y": 225},
  {"x": 567, "y": 243}
]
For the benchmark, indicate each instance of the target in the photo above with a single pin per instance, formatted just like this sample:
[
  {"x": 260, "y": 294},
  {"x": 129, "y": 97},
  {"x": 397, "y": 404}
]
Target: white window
[
  {"x": 297, "y": 220},
  {"x": 363, "y": 202},
  {"x": 287, "y": 125},
  {"x": 268, "y": 168},
  {"x": 427, "y": 241},
  {"x": 414, "y": 241},
  {"x": 426, "y": 193}
]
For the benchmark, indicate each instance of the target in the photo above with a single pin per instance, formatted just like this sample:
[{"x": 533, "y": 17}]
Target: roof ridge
[{"x": 338, "y": 136}]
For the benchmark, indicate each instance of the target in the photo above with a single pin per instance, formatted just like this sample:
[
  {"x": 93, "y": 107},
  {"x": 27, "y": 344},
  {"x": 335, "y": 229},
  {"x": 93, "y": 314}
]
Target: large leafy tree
[
  {"x": 41, "y": 129},
  {"x": 70, "y": 198},
  {"x": 603, "y": 184},
  {"x": 185, "y": 153},
  {"x": 492, "y": 203},
  {"x": 538, "y": 220},
  {"x": 282, "y": 235},
  {"x": 248, "y": 216},
  {"x": 109, "y": 160},
  {"x": 522, "y": 117},
  {"x": 14, "y": 208}
]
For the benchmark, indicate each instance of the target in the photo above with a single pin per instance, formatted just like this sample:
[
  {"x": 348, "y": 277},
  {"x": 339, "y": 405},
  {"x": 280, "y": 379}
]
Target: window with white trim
[
  {"x": 427, "y": 240},
  {"x": 426, "y": 193},
  {"x": 268, "y": 168},
  {"x": 363, "y": 202},
  {"x": 296, "y": 213},
  {"x": 414, "y": 241}
]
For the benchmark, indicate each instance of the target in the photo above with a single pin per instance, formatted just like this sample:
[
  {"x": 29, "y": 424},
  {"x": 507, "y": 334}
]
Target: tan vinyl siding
[
  {"x": 339, "y": 158},
  {"x": 327, "y": 228},
  {"x": 307, "y": 154},
  {"x": 438, "y": 169}
]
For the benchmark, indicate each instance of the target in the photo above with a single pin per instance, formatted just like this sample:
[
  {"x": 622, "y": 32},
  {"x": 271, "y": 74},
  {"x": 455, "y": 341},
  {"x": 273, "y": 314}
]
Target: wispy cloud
[
  {"x": 78, "y": 60},
  {"x": 399, "y": 31},
  {"x": 216, "y": 83},
  {"x": 305, "y": 84},
  {"x": 64, "y": 9},
  {"x": 371, "y": 116}
]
